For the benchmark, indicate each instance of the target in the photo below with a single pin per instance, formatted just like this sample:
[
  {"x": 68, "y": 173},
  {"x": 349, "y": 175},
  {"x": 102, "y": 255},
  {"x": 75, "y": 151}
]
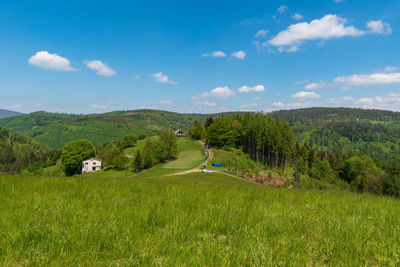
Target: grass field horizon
[{"x": 193, "y": 219}]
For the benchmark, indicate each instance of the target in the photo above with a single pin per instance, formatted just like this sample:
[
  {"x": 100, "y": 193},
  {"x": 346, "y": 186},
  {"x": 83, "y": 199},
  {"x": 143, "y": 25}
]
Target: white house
[{"x": 91, "y": 165}]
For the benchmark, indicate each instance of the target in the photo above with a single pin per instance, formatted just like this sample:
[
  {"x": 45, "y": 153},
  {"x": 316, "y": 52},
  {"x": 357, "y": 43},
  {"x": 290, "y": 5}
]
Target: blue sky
[{"x": 198, "y": 56}]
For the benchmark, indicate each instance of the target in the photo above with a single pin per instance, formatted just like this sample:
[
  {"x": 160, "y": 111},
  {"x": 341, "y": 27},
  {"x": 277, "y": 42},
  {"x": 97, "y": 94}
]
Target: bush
[{"x": 129, "y": 140}]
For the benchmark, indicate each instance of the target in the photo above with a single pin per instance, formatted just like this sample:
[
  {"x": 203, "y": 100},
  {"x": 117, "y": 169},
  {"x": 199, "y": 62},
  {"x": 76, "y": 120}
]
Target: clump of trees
[
  {"x": 73, "y": 153},
  {"x": 156, "y": 151},
  {"x": 129, "y": 140},
  {"x": 197, "y": 131},
  {"x": 268, "y": 141}
]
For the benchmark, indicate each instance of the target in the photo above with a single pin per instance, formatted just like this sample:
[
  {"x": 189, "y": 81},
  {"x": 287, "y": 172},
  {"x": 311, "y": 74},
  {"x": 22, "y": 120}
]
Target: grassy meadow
[{"x": 193, "y": 219}]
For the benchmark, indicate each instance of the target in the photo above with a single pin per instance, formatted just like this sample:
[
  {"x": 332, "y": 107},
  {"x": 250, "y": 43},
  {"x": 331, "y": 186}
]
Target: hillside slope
[
  {"x": 14, "y": 145},
  {"x": 372, "y": 132},
  {"x": 8, "y": 113},
  {"x": 55, "y": 129}
]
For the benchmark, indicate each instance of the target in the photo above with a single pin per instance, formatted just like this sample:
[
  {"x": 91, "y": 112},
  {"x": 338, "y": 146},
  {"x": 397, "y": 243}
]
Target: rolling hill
[
  {"x": 56, "y": 129},
  {"x": 14, "y": 145},
  {"x": 372, "y": 132},
  {"x": 8, "y": 113}
]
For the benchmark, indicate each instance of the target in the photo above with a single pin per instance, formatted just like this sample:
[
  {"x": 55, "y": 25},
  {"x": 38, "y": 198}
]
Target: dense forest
[
  {"x": 16, "y": 149},
  {"x": 375, "y": 133}
]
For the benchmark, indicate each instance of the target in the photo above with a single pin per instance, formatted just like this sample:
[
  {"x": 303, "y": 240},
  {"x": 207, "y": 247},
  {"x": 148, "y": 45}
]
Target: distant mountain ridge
[{"x": 4, "y": 113}]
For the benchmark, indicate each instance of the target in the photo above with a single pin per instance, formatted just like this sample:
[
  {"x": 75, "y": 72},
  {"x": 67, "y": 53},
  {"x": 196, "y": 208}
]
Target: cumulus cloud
[
  {"x": 388, "y": 102},
  {"x": 159, "y": 77},
  {"x": 247, "y": 89},
  {"x": 306, "y": 95},
  {"x": 313, "y": 86},
  {"x": 369, "y": 79},
  {"x": 221, "y": 92},
  {"x": 215, "y": 54},
  {"x": 165, "y": 102},
  {"x": 297, "y": 16},
  {"x": 45, "y": 60},
  {"x": 99, "y": 67},
  {"x": 239, "y": 54},
  {"x": 329, "y": 26},
  {"x": 261, "y": 33},
  {"x": 282, "y": 9},
  {"x": 378, "y": 26}
]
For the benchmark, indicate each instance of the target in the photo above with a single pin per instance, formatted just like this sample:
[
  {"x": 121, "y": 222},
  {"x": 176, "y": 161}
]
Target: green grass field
[
  {"x": 185, "y": 220},
  {"x": 190, "y": 154}
]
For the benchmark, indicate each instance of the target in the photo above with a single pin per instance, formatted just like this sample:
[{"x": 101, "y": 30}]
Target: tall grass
[{"x": 194, "y": 219}]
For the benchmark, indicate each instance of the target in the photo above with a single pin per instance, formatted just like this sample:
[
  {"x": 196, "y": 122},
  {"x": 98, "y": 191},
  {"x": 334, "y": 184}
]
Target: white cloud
[
  {"x": 313, "y": 86},
  {"x": 239, "y": 54},
  {"x": 282, "y": 9},
  {"x": 215, "y": 54},
  {"x": 222, "y": 92},
  {"x": 246, "y": 89},
  {"x": 159, "y": 77},
  {"x": 297, "y": 16},
  {"x": 257, "y": 98},
  {"x": 97, "y": 106},
  {"x": 99, "y": 67},
  {"x": 138, "y": 77},
  {"x": 165, "y": 102},
  {"x": 45, "y": 60},
  {"x": 205, "y": 103},
  {"x": 329, "y": 26},
  {"x": 261, "y": 33},
  {"x": 378, "y": 26},
  {"x": 369, "y": 79},
  {"x": 337, "y": 1},
  {"x": 306, "y": 95}
]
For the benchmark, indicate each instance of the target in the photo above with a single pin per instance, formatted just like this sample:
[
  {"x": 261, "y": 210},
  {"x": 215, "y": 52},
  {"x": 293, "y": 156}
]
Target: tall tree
[{"x": 73, "y": 153}]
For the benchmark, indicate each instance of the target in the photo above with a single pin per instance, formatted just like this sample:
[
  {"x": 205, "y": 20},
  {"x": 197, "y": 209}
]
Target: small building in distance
[
  {"x": 91, "y": 165},
  {"x": 180, "y": 133}
]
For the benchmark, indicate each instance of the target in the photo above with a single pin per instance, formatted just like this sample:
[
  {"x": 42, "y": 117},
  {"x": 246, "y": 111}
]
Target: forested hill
[
  {"x": 8, "y": 113},
  {"x": 56, "y": 129},
  {"x": 372, "y": 132},
  {"x": 15, "y": 145}
]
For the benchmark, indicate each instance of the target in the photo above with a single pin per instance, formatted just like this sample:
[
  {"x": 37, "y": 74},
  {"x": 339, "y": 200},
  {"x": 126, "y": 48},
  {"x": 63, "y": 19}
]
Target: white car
[{"x": 207, "y": 171}]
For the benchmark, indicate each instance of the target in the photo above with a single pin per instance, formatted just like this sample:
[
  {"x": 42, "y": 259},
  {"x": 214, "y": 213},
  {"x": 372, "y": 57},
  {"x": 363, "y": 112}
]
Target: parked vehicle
[{"x": 207, "y": 171}]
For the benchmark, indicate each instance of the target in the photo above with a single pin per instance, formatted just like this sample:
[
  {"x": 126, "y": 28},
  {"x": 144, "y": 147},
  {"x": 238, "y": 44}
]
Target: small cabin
[
  {"x": 91, "y": 165},
  {"x": 179, "y": 133}
]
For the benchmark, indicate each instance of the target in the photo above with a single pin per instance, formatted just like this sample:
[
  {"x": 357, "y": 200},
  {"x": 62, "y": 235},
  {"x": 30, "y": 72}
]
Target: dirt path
[{"x": 197, "y": 168}]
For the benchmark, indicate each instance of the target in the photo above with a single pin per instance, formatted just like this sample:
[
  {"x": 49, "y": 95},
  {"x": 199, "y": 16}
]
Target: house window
[
  {"x": 86, "y": 163},
  {"x": 94, "y": 163},
  {"x": 93, "y": 168}
]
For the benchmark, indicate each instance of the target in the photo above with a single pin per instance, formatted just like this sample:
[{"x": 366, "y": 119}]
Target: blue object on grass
[{"x": 217, "y": 164}]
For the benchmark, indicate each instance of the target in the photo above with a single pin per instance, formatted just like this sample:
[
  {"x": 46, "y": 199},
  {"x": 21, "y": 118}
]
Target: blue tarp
[{"x": 217, "y": 164}]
